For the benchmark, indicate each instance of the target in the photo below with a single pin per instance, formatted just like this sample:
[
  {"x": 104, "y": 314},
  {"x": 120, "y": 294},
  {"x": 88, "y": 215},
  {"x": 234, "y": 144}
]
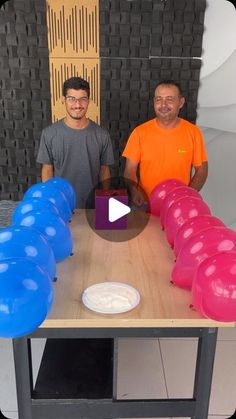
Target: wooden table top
[{"x": 144, "y": 262}]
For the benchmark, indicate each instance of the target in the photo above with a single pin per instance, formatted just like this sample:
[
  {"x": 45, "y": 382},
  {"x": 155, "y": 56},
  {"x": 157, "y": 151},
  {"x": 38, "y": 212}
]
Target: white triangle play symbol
[{"x": 116, "y": 210}]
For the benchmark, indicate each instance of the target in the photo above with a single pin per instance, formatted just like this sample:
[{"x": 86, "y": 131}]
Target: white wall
[{"x": 217, "y": 108}]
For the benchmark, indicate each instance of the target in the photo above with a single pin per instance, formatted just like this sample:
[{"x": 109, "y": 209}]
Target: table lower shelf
[
  {"x": 76, "y": 369},
  {"x": 79, "y": 369}
]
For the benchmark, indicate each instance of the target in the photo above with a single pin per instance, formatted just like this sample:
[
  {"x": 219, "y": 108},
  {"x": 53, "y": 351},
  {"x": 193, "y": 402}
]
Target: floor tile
[
  {"x": 227, "y": 333},
  {"x": 11, "y": 415},
  {"x": 222, "y": 401},
  {"x": 179, "y": 359},
  {"x": 14, "y": 415},
  {"x": 8, "y": 400},
  {"x": 217, "y": 417},
  {"x": 223, "y": 394},
  {"x": 140, "y": 372},
  {"x": 7, "y": 377},
  {"x": 37, "y": 347},
  {"x": 209, "y": 417}
]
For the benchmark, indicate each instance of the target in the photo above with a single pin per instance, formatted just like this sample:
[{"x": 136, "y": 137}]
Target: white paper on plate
[{"x": 111, "y": 297}]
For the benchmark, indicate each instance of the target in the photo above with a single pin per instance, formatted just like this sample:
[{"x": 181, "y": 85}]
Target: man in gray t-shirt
[{"x": 75, "y": 148}]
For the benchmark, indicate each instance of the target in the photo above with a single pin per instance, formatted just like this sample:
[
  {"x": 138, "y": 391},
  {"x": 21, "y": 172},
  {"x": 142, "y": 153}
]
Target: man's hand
[
  {"x": 47, "y": 172},
  {"x": 137, "y": 197},
  {"x": 130, "y": 173},
  {"x": 199, "y": 177},
  {"x": 105, "y": 176}
]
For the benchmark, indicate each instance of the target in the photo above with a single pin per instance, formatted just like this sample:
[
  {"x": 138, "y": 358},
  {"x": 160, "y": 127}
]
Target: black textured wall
[
  {"x": 24, "y": 93},
  {"x": 141, "y": 43}
]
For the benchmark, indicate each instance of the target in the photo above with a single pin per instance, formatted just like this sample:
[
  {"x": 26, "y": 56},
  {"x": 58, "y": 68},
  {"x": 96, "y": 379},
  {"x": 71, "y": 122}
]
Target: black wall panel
[
  {"x": 24, "y": 93},
  {"x": 141, "y": 43},
  {"x": 144, "y": 28}
]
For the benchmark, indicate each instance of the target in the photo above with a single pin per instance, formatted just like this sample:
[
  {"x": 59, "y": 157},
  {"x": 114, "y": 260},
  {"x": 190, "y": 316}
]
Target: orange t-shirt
[{"x": 165, "y": 153}]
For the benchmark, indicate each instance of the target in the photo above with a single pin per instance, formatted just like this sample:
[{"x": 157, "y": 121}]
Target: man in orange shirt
[{"x": 165, "y": 147}]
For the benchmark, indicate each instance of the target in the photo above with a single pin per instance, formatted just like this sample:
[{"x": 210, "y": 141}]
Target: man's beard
[{"x": 76, "y": 117}]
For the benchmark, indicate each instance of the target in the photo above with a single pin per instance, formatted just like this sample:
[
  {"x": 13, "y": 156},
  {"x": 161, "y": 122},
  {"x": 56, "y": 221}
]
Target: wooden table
[{"x": 144, "y": 262}]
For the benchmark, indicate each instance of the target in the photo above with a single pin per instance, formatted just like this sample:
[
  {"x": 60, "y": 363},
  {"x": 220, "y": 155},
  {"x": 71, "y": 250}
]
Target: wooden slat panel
[
  {"x": 73, "y": 39},
  {"x": 73, "y": 28}
]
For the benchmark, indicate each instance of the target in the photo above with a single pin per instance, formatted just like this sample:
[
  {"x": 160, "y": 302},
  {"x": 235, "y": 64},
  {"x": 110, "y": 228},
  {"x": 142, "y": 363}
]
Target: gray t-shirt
[{"x": 76, "y": 154}]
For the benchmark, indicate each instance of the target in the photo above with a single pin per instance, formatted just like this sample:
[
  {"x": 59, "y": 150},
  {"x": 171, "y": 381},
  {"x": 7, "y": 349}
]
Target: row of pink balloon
[{"x": 204, "y": 247}]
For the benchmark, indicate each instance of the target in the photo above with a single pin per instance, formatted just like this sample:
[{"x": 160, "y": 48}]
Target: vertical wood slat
[
  {"x": 82, "y": 28},
  {"x": 73, "y": 39}
]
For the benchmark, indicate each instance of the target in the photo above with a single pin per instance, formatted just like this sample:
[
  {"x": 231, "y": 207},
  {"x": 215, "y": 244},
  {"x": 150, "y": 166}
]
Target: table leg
[
  {"x": 204, "y": 371},
  {"x": 23, "y": 373}
]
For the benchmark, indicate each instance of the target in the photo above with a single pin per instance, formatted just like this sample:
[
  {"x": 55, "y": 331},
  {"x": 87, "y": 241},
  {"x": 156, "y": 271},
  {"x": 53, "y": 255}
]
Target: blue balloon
[
  {"x": 26, "y": 242},
  {"x": 33, "y": 204},
  {"x": 26, "y": 296},
  {"x": 66, "y": 187},
  {"x": 55, "y": 230},
  {"x": 50, "y": 192}
]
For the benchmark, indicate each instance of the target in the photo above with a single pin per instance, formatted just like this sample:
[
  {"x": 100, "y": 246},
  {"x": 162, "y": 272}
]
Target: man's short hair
[
  {"x": 170, "y": 83},
  {"x": 76, "y": 83}
]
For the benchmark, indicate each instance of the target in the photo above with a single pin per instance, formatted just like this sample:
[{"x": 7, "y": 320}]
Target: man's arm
[
  {"x": 199, "y": 177},
  {"x": 105, "y": 176},
  {"x": 47, "y": 172},
  {"x": 130, "y": 173}
]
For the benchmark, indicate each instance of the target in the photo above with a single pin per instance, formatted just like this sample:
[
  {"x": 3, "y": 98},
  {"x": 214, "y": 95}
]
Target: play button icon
[
  {"x": 111, "y": 213},
  {"x": 116, "y": 210}
]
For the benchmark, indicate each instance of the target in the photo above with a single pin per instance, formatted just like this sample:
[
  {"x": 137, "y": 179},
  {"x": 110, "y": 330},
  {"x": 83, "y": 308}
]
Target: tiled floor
[{"x": 148, "y": 368}]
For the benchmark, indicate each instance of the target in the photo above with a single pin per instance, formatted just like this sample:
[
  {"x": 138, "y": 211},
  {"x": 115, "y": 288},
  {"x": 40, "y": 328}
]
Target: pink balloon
[
  {"x": 214, "y": 287},
  {"x": 172, "y": 196},
  {"x": 181, "y": 211},
  {"x": 199, "y": 247},
  {"x": 159, "y": 193},
  {"x": 193, "y": 226}
]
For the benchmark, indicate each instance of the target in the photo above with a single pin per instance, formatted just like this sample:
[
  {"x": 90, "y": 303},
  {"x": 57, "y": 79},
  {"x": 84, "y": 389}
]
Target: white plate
[{"x": 110, "y": 297}]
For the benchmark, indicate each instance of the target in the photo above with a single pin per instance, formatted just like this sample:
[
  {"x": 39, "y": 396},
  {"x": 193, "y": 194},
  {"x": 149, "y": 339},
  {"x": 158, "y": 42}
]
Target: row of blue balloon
[{"x": 38, "y": 238}]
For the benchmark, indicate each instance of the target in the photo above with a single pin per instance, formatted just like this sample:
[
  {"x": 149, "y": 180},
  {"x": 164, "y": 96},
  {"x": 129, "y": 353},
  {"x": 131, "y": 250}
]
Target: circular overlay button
[{"x": 117, "y": 210}]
